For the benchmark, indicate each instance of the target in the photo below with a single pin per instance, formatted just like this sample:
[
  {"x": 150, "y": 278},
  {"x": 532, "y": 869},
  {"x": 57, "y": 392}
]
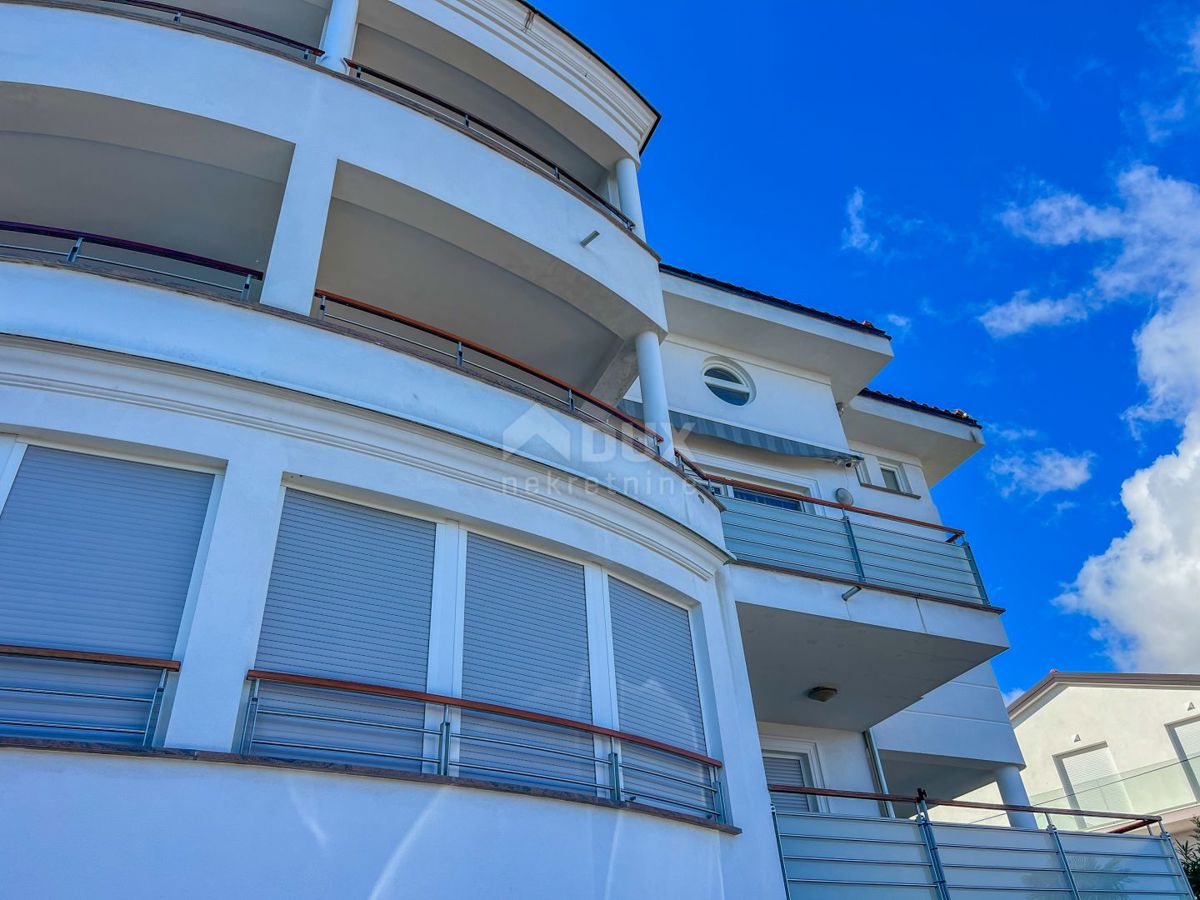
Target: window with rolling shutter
[
  {"x": 1092, "y": 782},
  {"x": 658, "y": 696},
  {"x": 349, "y": 599},
  {"x": 97, "y": 555},
  {"x": 525, "y": 645},
  {"x": 790, "y": 770}
]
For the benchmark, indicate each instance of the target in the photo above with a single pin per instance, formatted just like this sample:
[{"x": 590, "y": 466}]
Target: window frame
[{"x": 742, "y": 383}]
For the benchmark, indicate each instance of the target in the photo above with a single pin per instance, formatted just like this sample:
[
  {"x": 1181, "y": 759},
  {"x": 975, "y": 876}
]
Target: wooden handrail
[
  {"x": 468, "y": 117},
  {"x": 955, "y": 533},
  {"x": 494, "y": 354},
  {"x": 477, "y": 706},
  {"x": 116, "y": 659},
  {"x": 134, "y": 246},
  {"x": 224, "y": 23},
  {"x": 1138, "y": 819}
]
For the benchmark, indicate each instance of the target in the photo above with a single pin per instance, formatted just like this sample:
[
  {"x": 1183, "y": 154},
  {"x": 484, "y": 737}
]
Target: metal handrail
[
  {"x": 114, "y": 659},
  {"x": 181, "y": 12},
  {"x": 471, "y": 123},
  {"x": 573, "y": 399},
  {"x": 80, "y": 238},
  {"x": 1136, "y": 820},
  {"x": 436, "y": 753},
  {"x": 39, "y": 725},
  {"x": 955, "y": 533}
]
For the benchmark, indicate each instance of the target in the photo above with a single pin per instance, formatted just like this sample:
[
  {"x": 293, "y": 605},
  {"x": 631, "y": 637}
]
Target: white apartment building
[
  {"x": 1112, "y": 742},
  {"x": 380, "y": 517}
]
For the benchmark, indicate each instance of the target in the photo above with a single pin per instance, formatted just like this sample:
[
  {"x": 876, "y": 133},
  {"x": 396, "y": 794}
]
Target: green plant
[{"x": 1189, "y": 857}]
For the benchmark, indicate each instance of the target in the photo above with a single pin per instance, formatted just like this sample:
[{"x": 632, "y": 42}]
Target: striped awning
[{"x": 735, "y": 434}]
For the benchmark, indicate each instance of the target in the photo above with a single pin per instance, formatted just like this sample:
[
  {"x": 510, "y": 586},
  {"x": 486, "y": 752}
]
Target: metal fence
[
  {"x": 69, "y": 695},
  {"x": 105, "y": 254},
  {"x": 304, "y": 718},
  {"x": 859, "y": 856},
  {"x": 484, "y": 362},
  {"x": 860, "y": 550}
]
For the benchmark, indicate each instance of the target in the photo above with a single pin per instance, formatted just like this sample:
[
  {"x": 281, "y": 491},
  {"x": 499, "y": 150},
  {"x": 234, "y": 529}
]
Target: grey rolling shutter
[
  {"x": 525, "y": 645},
  {"x": 349, "y": 595},
  {"x": 97, "y": 554},
  {"x": 658, "y": 696},
  {"x": 791, "y": 771},
  {"x": 1187, "y": 738},
  {"x": 349, "y": 599},
  {"x": 1093, "y": 783}
]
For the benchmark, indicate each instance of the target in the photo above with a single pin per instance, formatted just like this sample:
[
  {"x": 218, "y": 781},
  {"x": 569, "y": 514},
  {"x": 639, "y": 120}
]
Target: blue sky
[{"x": 926, "y": 165}]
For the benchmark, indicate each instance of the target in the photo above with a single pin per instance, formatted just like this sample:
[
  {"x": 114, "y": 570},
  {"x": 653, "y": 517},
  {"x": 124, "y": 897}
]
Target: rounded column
[
  {"x": 340, "y": 30},
  {"x": 1013, "y": 793},
  {"x": 631, "y": 194},
  {"x": 654, "y": 391}
]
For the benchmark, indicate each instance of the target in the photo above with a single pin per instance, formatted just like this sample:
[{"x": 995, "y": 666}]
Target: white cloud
[
  {"x": 855, "y": 235},
  {"x": 1178, "y": 93},
  {"x": 1021, "y": 314},
  {"x": 1143, "y": 590},
  {"x": 1042, "y": 472}
]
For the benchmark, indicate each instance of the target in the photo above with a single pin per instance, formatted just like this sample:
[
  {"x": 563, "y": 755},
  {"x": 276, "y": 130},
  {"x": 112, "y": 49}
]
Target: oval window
[{"x": 728, "y": 384}]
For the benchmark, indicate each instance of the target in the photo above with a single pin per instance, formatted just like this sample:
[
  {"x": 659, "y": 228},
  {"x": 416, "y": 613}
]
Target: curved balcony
[
  {"x": 100, "y": 698},
  {"x": 410, "y": 95},
  {"x": 115, "y": 257},
  {"x": 299, "y": 717}
]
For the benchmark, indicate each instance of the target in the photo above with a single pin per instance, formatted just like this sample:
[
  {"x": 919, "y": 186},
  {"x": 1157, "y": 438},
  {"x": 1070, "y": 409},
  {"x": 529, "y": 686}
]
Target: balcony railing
[
  {"x": 181, "y": 15},
  {"x": 80, "y": 696},
  {"x": 483, "y": 362},
  {"x": 867, "y": 857},
  {"x": 300, "y": 717},
  {"x": 847, "y": 544},
  {"x": 109, "y": 255},
  {"x": 1163, "y": 787},
  {"x": 424, "y": 102}
]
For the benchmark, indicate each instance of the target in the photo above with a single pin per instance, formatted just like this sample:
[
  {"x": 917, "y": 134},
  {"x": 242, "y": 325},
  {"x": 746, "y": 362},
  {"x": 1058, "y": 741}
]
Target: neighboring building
[
  {"x": 329, "y": 564},
  {"x": 1111, "y": 742}
]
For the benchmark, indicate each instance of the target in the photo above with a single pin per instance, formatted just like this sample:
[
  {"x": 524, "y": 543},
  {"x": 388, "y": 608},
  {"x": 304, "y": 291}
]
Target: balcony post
[
  {"x": 654, "y": 391},
  {"x": 340, "y": 29},
  {"x": 1013, "y": 793},
  {"x": 291, "y": 275},
  {"x": 630, "y": 194}
]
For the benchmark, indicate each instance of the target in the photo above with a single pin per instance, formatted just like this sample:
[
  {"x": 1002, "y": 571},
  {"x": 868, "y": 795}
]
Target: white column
[
  {"x": 222, "y": 638},
  {"x": 291, "y": 275},
  {"x": 1013, "y": 793},
  {"x": 654, "y": 391},
  {"x": 340, "y": 29},
  {"x": 631, "y": 194}
]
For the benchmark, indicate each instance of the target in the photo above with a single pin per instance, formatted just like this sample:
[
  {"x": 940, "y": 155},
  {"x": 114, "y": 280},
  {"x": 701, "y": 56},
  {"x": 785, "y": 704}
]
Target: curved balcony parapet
[
  {"x": 481, "y": 130},
  {"x": 299, "y": 716},
  {"x": 181, "y": 15}
]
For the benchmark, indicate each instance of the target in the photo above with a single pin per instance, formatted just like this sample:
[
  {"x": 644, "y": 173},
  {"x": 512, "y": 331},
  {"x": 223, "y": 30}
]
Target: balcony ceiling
[
  {"x": 883, "y": 652},
  {"x": 84, "y": 162},
  {"x": 941, "y": 444},
  {"x": 849, "y": 358}
]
